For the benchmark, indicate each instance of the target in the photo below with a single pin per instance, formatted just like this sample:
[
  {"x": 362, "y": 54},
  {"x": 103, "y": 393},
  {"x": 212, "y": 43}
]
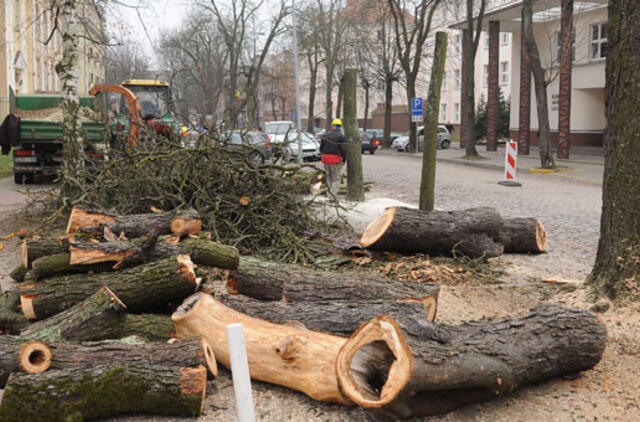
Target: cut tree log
[
  {"x": 151, "y": 327},
  {"x": 275, "y": 281},
  {"x": 457, "y": 365},
  {"x": 150, "y": 287},
  {"x": 338, "y": 318},
  {"x": 202, "y": 252},
  {"x": 33, "y": 249},
  {"x": 36, "y": 357},
  {"x": 49, "y": 265},
  {"x": 284, "y": 355},
  {"x": 18, "y": 273},
  {"x": 473, "y": 232},
  {"x": 523, "y": 235},
  {"x": 11, "y": 319},
  {"x": 135, "y": 225},
  {"x": 84, "y": 393}
]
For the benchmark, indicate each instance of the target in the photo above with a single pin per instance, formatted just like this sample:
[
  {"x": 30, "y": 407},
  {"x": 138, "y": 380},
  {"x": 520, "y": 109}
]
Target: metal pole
[
  {"x": 240, "y": 373},
  {"x": 295, "y": 64}
]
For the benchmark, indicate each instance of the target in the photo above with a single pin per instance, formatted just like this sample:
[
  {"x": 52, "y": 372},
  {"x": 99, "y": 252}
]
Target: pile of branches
[{"x": 256, "y": 207}]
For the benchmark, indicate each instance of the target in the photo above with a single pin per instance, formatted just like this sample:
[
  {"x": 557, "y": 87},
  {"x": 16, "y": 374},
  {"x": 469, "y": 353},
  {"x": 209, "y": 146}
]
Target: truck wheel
[{"x": 17, "y": 178}]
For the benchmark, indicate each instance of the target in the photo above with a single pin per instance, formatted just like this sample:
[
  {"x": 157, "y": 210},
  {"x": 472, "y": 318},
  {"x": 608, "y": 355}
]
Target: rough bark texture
[
  {"x": 134, "y": 225},
  {"x": 472, "y": 232},
  {"x": 524, "y": 109},
  {"x": 36, "y": 248},
  {"x": 564, "y": 92},
  {"x": 149, "y": 287},
  {"x": 11, "y": 319},
  {"x": 493, "y": 88},
  {"x": 355, "y": 179},
  {"x": 10, "y": 347},
  {"x": 151, "y": 327},
  {"x": 388, "y": 98},
  {"x": 523, "y": 235},
  {"x": 339, "y": 318},
  {"x": 18, "y": 273},
  {"x": 283, "y": 355},
  {"x": 615, "y": 273},
  {"x": 457, "y": 365},
  {"x": 59, "y": 263},
  {"x": 431, "y": 116},
  {"x": 84, "y": 393}
]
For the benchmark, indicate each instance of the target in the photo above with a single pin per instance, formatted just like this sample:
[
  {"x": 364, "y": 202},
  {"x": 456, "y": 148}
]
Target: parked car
[
  {"x": 287, "y": 147},
  {"x": 279, "y": 130},
  {"x": 255, "y": 144},
  {"x": 444, "y": 139},
  {"x": 369, "y": 142}
]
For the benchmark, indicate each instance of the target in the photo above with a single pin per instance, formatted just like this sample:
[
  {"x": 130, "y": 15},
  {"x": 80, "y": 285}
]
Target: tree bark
[
  {"x": 18, "y": 273},
  {"x": 542, "y": 105},
  {"x": 84, "y": 393},
  {"x": 135, "y": 225},
  {"x": 328, "y": 91},
  {"x": 366, "y": 105},
  {"x": 339, "y": 111},
  {"x": 456, "y": 365},
  {"x": 340, "y": 318},
  {"x": 468, "y": 99},
  {"x": 473, "y": 232},
  {"x": 413, "y": 128},
  {"x": 312, "y": 99},
  {"x": 11, "y": 319},
  {"x": 33, "y": 249},
  {"x": 355, "y": 179},
  {"x": 431, "y": 115},
  {"x": 59, "y": 263},
  {"x": 283, "y": 355},
  {"x": 523, "y": 235},
  {"x": 153, "y": 286},
  {"x": 151, "y": 327},
  {"x": 615, "y": 273},
  {"x": 388, "y": 104}
]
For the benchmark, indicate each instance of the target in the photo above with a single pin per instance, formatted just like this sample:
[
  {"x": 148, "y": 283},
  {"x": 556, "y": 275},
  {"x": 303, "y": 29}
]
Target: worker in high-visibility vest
[
  {"x": 333, "y": 148},
  {"x": 184, "y": 131}
]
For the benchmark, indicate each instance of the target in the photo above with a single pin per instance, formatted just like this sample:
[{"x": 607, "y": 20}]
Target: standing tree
[
  {"x": 539, "y": 77},
  {"x": 355, "y": 182},
  {"x": 616, "y": 273},
  {"x": 411, "y": 32},
  {"x": 308, "y": 33},
  {"x": 125, "y": 61}
]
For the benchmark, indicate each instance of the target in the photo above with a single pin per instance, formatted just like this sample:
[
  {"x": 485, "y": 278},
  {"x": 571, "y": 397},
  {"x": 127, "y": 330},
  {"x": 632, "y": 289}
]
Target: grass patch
[{"x": 6, "y": 165}]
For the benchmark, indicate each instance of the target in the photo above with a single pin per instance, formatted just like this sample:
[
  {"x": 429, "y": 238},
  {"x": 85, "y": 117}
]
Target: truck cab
[{"x": 154, "y": 99}]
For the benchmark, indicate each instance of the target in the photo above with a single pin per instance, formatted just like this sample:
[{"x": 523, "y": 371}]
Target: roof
[{"x": 145, "y": 82}]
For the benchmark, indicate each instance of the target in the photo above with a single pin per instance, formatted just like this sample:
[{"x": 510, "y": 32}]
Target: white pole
[
  {"x": 240, "y": 373},
  {"x": 295, "y": 64}
]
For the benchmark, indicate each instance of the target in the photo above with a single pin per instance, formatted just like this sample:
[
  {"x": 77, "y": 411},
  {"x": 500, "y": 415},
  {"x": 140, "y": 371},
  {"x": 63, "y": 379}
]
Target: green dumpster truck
[{"x": 38, "y": 150}]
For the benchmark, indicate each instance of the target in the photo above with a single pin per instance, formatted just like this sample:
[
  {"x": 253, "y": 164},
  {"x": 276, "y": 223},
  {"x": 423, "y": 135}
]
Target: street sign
[{"x": 416, "y": 109}]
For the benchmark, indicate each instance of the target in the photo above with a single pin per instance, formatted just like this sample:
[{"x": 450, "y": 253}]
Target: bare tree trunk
[
  {"x": 617, "y": 266},
  {"x": 413, "y": 128},
  {"x": 339, "y": 105},
  {"x": 542, "y": 105},
  {"x": 312, "y": 99},
  {"x": 432, "y": 111},
  {"x": 283, "y": 101},
  {"x": 274, "y": 112},
  {"x": 355, "y": 182},
  {"x": 468, "y": 91},
  {"x": 328, "y": 101},
  {"x": 366, "y": 104},
  {"x": 388, "y": 102}
]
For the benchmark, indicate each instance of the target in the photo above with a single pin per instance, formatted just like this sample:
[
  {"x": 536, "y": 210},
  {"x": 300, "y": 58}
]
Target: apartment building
[{"x": 31, "y": 48}]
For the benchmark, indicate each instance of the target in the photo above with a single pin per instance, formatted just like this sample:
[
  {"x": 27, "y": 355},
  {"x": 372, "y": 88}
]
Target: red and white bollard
[{"x": 510, "y": 159}]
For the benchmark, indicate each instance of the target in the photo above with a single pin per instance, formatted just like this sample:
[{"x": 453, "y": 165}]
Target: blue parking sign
[{"x": 416, "y": 109}]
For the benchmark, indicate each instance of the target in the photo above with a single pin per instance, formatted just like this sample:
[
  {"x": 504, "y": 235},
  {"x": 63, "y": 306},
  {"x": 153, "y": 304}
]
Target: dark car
[
  {"x": 370, "y": 141},
  {"x": 255, "y": 144}
]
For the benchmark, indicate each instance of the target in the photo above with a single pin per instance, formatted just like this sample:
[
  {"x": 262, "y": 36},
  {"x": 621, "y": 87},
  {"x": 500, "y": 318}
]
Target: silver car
[{"x": 401, "y": 143}]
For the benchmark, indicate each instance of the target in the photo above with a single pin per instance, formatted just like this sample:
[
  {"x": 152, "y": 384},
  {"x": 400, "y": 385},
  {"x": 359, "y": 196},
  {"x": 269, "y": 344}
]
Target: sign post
[
  {"x": 510, "y": 159},
  {"x": 416, "y": 110}
]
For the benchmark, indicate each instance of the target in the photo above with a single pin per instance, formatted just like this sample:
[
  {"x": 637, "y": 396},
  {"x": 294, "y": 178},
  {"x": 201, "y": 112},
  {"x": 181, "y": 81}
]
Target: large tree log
[
  {"x": 284, "y": 355},
  {"x": 149, "y": 287},
  {"x": 11, "y": 319},
  {"x": 472, "y": 232},
  {"x": 456, "y": 365},
  {"x": 523, "y": 235},
  {"x": 151, "y": 327},
  {"x": 18, "y": 273},
  {"x": 33, "y": 249},
  {"x": 49, "y": 265},
  {"x": 274, "y": 281},
  {"x": 338, "y": 318},
  {"x": 135, "y": 225},
  {"x": 202, "y": 252},
  {"x": 84, "y": 393}
]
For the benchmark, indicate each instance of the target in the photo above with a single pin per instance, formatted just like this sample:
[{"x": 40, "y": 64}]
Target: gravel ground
[{"x": 570, "y": 211}]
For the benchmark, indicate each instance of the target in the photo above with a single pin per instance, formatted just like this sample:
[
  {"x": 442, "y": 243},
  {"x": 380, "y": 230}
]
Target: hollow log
[
  {"x": 202, "y": 252},
  {"x": 147, "y": 288},
  {"x": 36, "y": 357},
  {"x": 134, "y": 225},
  {"x": 84, "y": 393},
  {"x": 18, "y": 273},
  {"x": 523, "y": 235},
  {"x": 10, "y": 347},
  {"x": 338, "y": 318},
  {"x": 284, "y": 355},
  {"x": 33, "y": 249},
  {"x": 457, "y": 365},
  {"x": 49, "y": 265},
  {"x": 274, "y": 281},
  {"x": 473, "y": 232}
]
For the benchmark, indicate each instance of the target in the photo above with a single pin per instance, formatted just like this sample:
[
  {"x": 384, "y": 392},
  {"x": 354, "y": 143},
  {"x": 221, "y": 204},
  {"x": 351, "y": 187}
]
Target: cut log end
[
  {"x": 35, "y": 357},
  {"x": 82, "y": 256},
  {"x": 541, "y": 236},
  {"x": 83, "y": 218},
  {"x": 26, "y": 304},
  {"x": 375, "y": 364},
  {"x": 188, "y": 269},
  {"x": 377, "y": 227},
  {"x": 430, "y": 304},
  {"x": 187, "y": 306},
  {"x": 193, "y": 381},
  {"x": 209, "y": 357},
  {"x": 25, "y": 254},
  {"x": 186, "y": 226}
]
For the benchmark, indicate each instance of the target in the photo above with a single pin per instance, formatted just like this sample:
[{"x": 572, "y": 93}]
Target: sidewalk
[{"x": 586, "y": 163}]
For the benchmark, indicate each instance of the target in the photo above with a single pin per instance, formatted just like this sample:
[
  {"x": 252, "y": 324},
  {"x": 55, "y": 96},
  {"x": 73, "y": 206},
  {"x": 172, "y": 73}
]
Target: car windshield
[
  {"x": 153, "y": 100},
  {"x": 257, "y": 138},
  {"x": 277, "y": 128}
]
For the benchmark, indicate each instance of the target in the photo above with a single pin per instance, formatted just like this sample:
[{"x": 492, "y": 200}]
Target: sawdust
[{"x": 54, "y": 114}]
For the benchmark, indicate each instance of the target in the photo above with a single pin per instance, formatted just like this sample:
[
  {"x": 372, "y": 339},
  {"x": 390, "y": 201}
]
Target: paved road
[{"x": 569, "y": 208}]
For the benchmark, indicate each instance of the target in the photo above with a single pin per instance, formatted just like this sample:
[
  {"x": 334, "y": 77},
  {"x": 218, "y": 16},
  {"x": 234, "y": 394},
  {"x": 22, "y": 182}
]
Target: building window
[
  {"x": 443, "y": 112},
  {"x": 559, "y": 45},
  {"x": 599, "y": 42},
  {"x": 504, "y": 38},
  {"x": 458, "y": 42},
  {"x": 504, "y": 73},
  {"x": 456, "y": 79},
  {"x": 456, "y": 108},
  {"x": 485, "y": 81},
  {"x": 444, "y": 80}
]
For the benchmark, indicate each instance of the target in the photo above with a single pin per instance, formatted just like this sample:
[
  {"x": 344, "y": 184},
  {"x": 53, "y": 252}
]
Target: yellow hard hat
[
  {"x": 336, "y": 122},
  {"x": 184, "y": 129}
]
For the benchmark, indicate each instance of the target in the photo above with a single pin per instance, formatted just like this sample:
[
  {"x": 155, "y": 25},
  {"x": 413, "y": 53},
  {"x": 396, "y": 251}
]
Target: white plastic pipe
[{"x": 240, "y": 373}]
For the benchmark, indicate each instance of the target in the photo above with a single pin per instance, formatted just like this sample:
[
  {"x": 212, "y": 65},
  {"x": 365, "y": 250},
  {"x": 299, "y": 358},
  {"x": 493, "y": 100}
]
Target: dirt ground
[{"x": 610, "y": 392}]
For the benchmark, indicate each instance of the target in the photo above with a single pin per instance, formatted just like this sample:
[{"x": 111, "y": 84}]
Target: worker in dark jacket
[{"x": 333, "y": 148}]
